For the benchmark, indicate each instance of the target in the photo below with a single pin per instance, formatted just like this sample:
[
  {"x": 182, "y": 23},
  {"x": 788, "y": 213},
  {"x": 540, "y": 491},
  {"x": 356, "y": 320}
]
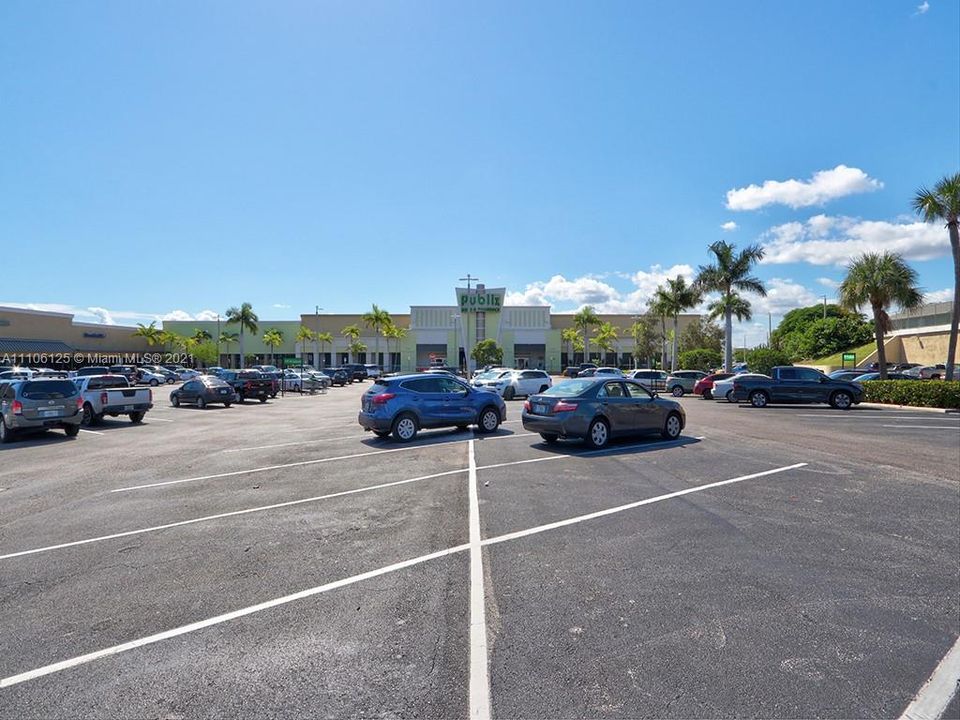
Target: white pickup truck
[{"x": 112, "y": 395}]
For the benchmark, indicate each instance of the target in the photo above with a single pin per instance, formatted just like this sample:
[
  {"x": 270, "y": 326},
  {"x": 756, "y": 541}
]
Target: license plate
[
  {"x": 49, "y": 413},
  {"x": 540, "y": 409},
  {"x": 223, "y": 391},
  {"x": 127, "y": 408}
]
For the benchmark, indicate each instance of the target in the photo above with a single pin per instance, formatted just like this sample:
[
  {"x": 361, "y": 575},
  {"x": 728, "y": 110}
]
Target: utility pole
[
  {"x": 769, "y": 328},
  {"x": 218, "y": 338},
  {"x": 824, "y": 306},
  {"x": 466, "y": 322},
  {"x": 316, "y": 341}
]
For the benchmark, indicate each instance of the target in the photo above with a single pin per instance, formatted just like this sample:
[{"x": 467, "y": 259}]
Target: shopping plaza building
[{"x": 530, "y": 336}]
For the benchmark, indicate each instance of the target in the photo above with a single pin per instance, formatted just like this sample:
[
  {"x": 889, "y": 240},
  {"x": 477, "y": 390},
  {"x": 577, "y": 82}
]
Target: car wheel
[
  {"x": 6, "y": 435},
  {"x": 263, "y": 398},
  {"x": 729, "y": 396},
  {"x": 841, "y": 400},
  {"x": 201, "y": 403},
  {"x": 672, "y": 427},
  {"x": 226, "y": 404},
  {"x": 175, "y": 400},
  {"x": 707, "y": 395},
  {"x": 759, "y": 399},
  {"x": 462, "y": 428},
  {"x": 154, "y": 382},
  {"x": 934, "y": 377},
  {"x": 509, "y": 393},
  {"x": 136, "y": 417},
  {"x": 598, "y": 435},
  {"x": 489, "y": 420},
  {"x": 549, "y": 438},
  {"x": 677, "y": 391},
  {"x": 405, "y": 428},
  {"x": 543, "y": 388},
  {"x": 241, "y": 399},
  {"x": 71, "y": 430},
  {"x": 382, "y": 434},
  {"x": 87, "y": 418}
]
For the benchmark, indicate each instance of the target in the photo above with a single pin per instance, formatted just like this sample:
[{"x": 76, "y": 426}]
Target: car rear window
[
  {"x": 48, "y": 389},
  {"x": 568, "y": 387},
  {"x": 250, "y": 375}
]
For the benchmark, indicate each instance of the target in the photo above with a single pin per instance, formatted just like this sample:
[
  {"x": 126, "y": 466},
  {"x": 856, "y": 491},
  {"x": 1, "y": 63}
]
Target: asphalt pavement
[{"x": 275, "y": 560}]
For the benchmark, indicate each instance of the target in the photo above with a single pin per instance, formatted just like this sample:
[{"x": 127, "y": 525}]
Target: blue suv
[{"x": 401, "y": 406}]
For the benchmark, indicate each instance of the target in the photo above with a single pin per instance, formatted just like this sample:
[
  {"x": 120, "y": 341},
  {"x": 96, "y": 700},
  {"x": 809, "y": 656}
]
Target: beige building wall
[{"x": 60, "y": 327}]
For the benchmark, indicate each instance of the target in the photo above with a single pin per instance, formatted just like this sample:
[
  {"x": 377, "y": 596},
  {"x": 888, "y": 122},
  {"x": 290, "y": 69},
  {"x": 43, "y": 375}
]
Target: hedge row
[{"x": 925, "y": 393}]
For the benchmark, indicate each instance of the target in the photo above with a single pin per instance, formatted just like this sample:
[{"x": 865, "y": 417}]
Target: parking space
[{"x": 275, "y": 559}]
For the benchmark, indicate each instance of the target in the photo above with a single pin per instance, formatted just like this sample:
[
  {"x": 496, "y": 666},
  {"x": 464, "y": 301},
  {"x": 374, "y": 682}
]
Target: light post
[
  {"x": 455, "y": 319},
  {"x": 218, "y": 338},
  {"x": 824, "y": 306},
  {"x": 316, "y": 340}
]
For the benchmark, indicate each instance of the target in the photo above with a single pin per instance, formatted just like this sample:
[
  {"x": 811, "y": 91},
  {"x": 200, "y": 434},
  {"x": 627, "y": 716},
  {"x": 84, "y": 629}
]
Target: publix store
[{"x": 434, "y": 334}]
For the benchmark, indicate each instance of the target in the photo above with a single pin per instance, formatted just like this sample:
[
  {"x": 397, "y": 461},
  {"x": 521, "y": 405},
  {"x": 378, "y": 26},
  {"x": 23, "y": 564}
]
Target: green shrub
[
  {"x": 918, "y": 393},
  {"x": 763, "y": 360},
  {"x": 700, "y": 359}
]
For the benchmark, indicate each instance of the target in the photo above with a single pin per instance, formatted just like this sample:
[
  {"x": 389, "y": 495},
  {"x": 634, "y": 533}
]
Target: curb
[{"x": 940, "y": 411}]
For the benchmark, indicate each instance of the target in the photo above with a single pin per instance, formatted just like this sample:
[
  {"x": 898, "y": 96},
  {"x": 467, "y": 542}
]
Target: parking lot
[{"x": 274, "y": 560}]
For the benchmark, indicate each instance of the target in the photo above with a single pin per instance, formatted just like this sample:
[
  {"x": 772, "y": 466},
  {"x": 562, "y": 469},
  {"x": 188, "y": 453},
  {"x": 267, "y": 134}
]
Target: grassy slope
[{"x": 861, "y": 352}]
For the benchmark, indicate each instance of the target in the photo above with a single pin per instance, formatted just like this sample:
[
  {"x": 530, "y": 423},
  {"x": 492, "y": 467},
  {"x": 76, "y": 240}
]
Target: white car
[
  {"x": 653, "y": 380},
  {"x": 722, "y": 389},
  {"x": 146, "y": 377},
  {"x": 511, "y": 383},
  {"x": 187, "y": 374},
  {"x": 373, "y": 371}
]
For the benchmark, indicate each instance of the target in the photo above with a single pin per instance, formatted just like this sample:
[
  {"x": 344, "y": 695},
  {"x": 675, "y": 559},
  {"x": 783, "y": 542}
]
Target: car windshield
[
  {"x": 568, "y": 387},
  {"x": 48, "y": 389}
]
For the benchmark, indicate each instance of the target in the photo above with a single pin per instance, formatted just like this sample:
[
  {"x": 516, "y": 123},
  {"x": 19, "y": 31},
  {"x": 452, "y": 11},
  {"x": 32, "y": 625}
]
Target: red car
[{"x": 704, "y": 387}]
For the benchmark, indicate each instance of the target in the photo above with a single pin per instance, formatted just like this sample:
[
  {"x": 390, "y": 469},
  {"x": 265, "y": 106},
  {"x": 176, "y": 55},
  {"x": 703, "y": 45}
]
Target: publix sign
[{"x": 480, "y": 299}]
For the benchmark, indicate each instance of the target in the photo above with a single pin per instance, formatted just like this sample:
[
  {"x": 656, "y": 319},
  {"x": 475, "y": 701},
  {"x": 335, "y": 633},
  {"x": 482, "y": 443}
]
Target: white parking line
[
  {"x": 630, "y": 506},
  {"x": 479, "y": 674},
  {"x": 219, "y": 619},
  {"x": 91, "y": 432},
  {"x": 226, "y": 617},
  {"x": 289, "y": 444},
  {"x": 923, "y": 427},
  {"x": 879, "y": 416},
  {"x": 937, "y": 692},
  {"x": 251, "y": 471},
  {"x": 156, "y": 419},
  {"x": 233, "y": 513}
]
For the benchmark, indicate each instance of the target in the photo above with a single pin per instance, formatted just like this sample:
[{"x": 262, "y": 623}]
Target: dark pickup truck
[
  {"x": 248, "y": 384},
  {"x": 790, "y": 384}
]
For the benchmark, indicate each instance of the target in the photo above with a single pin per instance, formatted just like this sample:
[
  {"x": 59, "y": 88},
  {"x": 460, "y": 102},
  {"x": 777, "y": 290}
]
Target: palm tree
[
  {"x": 585, "y": 319},
  {"x": 606, "y": 337},
  {"x": 201, "y": 336},
  {"x": 572, "y": 338},
  {"x": 642, "y": 331},
  {"x": 660, "y": 308},
  {"x": 377, "y": 319},
  {"x": 882, "y": 280},
  {"x": 352, "y": 334},
  {"x": 943, "y": 204},
  {"x": 151, "y": 333},
  {"x": 273, "y": 338},
  {"x": 247, "y": 319},
  {"x": 228, "y": 338},
  {"x": 304, "y": 335},
  {"x": 355, "y": 348},
  {"x": 676, "y": 298},
  {"x": 323, "y": 339},
  {"x": 730, "y": 272}
]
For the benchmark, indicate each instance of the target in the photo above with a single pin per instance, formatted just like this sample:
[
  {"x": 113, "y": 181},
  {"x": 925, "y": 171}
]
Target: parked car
[
  {"x": 112, "y": 395},
  {"x": 403, "y": 405},
  {"x": 599, "y": 409},
  {"x": 297, "y": 381},
  {"x": 338, "y": 376},
  {"x": 203, "y": 391},
  {"x": 574, "y": 370},
  {"x": 358, "y": 372},
  {"x": 867, "y": 377},
  {"x": 704, "y": 386},
  {"x": 17, "y": 373},
  {"x": 92, "y": 370},
  {"x": 681, "y": 382},
  {"x": 373, "y": 371},
  {"x": 723, "y": 389},
  {"x": 845, "y": 374},
  {"x": 275, "y": 378},
  {"x": 928, "y": 372},
  {"x": 169, "y": 377},
  {"x": 38, "y": 405},
  {"x": 186, "y": 374},
  {"x": 265, "y": 368},
  {"x": 128, "y": 371},
  {"x": 653, "y": 380},
  {"x": 445, "y": 370},
  {"x": 40, "y": 373},
  {"x": 247, "y": 384},
  {"x": 152, "y": 379},
  {"x": 791, "y": 384}
]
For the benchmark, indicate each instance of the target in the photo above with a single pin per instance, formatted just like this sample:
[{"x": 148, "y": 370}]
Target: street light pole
[
  {"x": 316, "y": 341},
  {"x": 824, "y": 306},
  {"x": 466, "y": 342},
  {"x": 218, "y": 338}
]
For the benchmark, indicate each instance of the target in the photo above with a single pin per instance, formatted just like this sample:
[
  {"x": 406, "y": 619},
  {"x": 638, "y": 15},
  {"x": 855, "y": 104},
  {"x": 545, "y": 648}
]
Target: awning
[{"x": 20, "y": 346}]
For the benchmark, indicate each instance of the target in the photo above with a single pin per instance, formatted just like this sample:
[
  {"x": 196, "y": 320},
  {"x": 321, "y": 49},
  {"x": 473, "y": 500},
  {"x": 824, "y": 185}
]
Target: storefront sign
[{"x": 483, "y": 300}]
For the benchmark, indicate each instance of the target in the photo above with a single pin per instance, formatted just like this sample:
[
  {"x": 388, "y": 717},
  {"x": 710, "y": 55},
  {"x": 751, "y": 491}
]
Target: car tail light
[
  {"x": 527, "y": 406},
  {"x": 17, "y": 407},
  {"x": 103, "y": 398},
  {"x": 383, "y": 398},
  {"x": 248, "y": 385},
  {"x": 564, "y": 406},
  {"x": 80, "y": 403},
  {"x": 149, "y": 395}
]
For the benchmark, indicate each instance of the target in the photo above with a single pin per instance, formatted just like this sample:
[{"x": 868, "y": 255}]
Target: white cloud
[
  {"x": 922, "y": 8},
  {"x": 823, "y": 186},
  {"x": 281, "y": 306},
  {"x": 206, "y": 315},
  {"x": 729, "y": 226},
  {"x": 829, "y": 282},
  {"x": 825, "y": 240},
  {"x": 177, "y": 315},
  {"x": 102, "y": 314},
  {"x": 938, "y": 296},
  {"x": 783, "y": 295}
]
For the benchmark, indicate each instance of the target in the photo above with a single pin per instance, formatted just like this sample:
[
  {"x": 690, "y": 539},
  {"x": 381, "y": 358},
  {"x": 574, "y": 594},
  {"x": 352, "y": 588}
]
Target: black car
[
  {"x": 338, "y": 376},
  {"x": 204, "y": 390},
  {"x": 358, "y": 373},
  {"x": 247, "y": 384}
]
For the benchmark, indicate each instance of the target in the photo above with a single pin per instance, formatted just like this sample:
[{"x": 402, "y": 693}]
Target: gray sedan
[{"x": 598, "y": 409}]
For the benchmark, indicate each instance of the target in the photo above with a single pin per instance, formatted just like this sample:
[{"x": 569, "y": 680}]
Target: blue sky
[{"x": 182, "y": 157}]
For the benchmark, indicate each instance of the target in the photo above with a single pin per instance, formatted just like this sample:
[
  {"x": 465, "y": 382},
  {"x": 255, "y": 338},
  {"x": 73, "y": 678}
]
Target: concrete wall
[{"x": 85, "y": 337}]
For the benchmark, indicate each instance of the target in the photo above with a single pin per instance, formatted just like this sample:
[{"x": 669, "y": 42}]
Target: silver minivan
[{"x": 37, "y": 405}]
